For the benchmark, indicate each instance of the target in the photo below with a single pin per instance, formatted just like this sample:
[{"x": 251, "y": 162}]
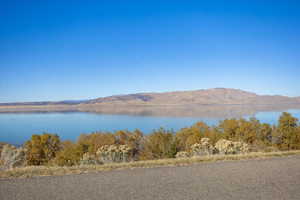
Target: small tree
[
  {"x": 229, "y": 129},
  {"x": 266, "y": 134},
  {"x": 248, "y": 130},
  {"x": 42, "y": 148},
  {"x": 92, "y": 142},
  {"x": 131, "y": 139},
  {"x": 287, "y": 131},
  {"x": 159, "y": 144},
  {"x": 186, "y": 137},
  {"x": 70, "y": 154}
]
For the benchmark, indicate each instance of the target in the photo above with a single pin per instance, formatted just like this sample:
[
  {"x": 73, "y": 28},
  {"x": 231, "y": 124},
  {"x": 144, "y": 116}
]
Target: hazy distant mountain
[
  {"x": 220, "y": 96},
  {"x": 67, "y": 102}
]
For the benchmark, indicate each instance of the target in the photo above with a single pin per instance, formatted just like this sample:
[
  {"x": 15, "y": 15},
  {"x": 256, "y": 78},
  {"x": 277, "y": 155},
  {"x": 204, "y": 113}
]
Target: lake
[{"x": 16, "y": 128}]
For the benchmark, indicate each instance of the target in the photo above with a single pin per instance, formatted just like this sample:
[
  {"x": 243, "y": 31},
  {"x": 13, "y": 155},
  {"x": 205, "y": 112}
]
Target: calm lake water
[{"x": 16, "y": 128}]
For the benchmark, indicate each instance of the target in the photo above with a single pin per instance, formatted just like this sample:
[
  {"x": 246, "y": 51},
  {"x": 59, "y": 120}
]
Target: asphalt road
[{"x": 272, "y": 178}]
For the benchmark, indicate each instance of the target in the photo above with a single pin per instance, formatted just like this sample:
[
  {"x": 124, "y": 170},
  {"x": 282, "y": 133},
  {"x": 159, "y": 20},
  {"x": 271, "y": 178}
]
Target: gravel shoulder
[{"x": 270, "y": 178}]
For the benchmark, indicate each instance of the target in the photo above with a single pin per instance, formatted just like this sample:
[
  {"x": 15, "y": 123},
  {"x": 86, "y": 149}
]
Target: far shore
[{"x": 193, "y": 110}]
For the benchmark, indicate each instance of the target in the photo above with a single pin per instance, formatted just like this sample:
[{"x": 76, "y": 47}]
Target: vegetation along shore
[{"x": 231, "y": 139}]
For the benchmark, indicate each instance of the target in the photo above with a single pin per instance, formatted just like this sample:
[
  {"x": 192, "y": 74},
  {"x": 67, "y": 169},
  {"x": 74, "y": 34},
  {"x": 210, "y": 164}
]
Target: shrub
[
  {"x": 186, "y": 137},
  {"x": 42, "y": 148},
  {"x": 231, "y": 136},
  {"x": 92, "y": 142},
  {"x": 229, "y": 128},
  {"x": 249, "y": 131},
  {"x": 114, "y": 153},
  {"x": 132, "y": 139},
  {"x": 159, "y": 144},
  {"x": 203, "y": 148},
  {"x": 287, "y": 133},
  {"x": 11, "y": 156},
  {"x": 70, "y": 154},
  {"x": 229, "y": 147}
]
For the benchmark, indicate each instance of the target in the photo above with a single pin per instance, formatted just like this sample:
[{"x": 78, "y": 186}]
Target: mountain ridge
[
  {"x": 220, "y": 96},
  {"x": 214, "y": 103}
]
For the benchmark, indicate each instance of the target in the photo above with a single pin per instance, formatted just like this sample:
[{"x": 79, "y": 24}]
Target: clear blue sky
[{"x": 57, "y": 50}]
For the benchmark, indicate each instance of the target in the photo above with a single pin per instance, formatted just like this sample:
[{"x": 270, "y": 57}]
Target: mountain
[
  {"x": 216, "y": 96},
  {"x": 219, "y": 96},
  {"x": 41, "y": 103},
  {"x": 217, "y": 102}
]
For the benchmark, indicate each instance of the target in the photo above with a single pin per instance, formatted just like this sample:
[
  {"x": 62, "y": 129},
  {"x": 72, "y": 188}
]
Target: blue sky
[{"x": 61, "y": 50}]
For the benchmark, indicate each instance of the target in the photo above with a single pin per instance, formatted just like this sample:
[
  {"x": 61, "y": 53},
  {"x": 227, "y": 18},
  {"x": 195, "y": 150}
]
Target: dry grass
[{"x": 32, "y": 171}]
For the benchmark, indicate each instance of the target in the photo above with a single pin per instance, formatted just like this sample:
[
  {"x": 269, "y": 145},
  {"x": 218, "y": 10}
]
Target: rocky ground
[{"x": 272, "y": 178}]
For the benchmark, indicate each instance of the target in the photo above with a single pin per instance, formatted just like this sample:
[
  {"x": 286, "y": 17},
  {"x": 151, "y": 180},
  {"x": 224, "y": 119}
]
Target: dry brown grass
[{"x": 32, "y": 171}]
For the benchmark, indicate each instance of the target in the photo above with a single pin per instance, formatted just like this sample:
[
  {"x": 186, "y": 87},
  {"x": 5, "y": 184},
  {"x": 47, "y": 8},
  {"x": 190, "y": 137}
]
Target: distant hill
[
  {"x": 216, "y": 96},
  {"x": 218, "y": 102},
  {"x": 41, "y": 103},
  {"x": 220, "y": 96}
]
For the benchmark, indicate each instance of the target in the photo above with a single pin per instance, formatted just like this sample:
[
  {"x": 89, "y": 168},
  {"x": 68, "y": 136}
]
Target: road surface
[{"x": 272, "y": 178}]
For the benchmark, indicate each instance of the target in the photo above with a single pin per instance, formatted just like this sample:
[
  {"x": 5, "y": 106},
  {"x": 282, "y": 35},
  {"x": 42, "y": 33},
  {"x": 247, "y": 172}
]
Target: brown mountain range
[
  {"x": 218, "y": 102},
  {"x": 219, "y": 96}
]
